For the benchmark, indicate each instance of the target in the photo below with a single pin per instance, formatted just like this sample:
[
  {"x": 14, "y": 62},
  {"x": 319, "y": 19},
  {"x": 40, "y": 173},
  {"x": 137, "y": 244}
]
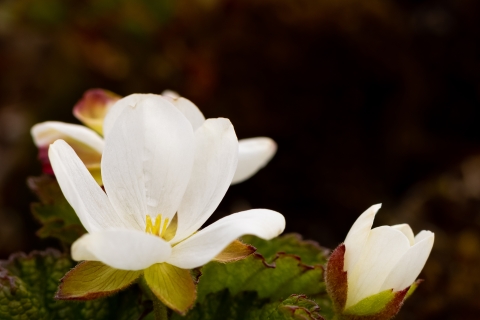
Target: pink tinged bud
[
  {"x": 87, "y": 144},
  {"x": 368, "y": 276},
  {"x": 93, "y": 107},
  {"x": 381, "y": 306}
]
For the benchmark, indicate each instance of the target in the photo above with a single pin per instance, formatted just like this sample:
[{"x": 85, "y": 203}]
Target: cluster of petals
[
  {"x": 382, "y": 258},
  {"x": 88, "y": 143},
  {"x": 160, "y": 163}
]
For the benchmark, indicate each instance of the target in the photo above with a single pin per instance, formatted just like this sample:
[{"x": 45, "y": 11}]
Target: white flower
[
  {"x": 382, "y": 258},
  {"x": 162, "y": 180},
  {"x": 254, "y": 153}
]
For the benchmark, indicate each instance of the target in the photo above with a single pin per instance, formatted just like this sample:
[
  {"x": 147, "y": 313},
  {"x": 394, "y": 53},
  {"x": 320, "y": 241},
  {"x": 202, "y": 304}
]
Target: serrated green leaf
[
  {"x": 299, "y": 307},
  {"x": 28, "y": 284},
  {"x": 286, "y": 274},
  {"x": 253, "y": 288},
  {"x": 57, "y": 217},
  {"x": 310, "y": 252}
]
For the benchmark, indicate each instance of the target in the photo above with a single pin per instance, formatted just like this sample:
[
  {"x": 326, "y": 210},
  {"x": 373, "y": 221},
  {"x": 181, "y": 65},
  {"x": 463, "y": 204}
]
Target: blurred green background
[{"x": 369, "y": 101}]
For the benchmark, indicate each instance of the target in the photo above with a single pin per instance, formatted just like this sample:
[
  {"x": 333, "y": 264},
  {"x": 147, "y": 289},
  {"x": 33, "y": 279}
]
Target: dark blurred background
[{"x": 369, "y": 101}]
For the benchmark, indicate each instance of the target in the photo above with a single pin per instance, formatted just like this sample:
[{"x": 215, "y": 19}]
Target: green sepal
[
  {"x": 413, "y": 287},
  {"x": 28, "y": 284},
  {"x": 174, "y": 287},
  {"x": 92, "y": 279},
  {"x": 336, "y": 279},
  {"x": 57, "y": 217},
  {"x": 372, "y": 304},
  {"x": 381, "y": 306}
]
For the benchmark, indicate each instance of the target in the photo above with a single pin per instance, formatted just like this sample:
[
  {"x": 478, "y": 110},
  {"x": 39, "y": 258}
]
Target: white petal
[
  {"x": 117, "y": 109},
  {"x": 253, "y": 154},
  {"x": 204, "y": 245},
  {"x": 80, "y": 189},
  {"x": 122, "y": 249},
  {"x": 410, "y": 265},
  {"x": 358, "y": 235},
  {"x": 190, "y": 111},
  {"x": 381, "y": 253},
  {"x": 407, "y": 231},
  {"x": 422, "y": 235},
  {"x": 148, "y": 159},
  {"x": 216, "y": 148},
  {"x": 170, "y": 94},
  {"x": 46, "y": 133}
]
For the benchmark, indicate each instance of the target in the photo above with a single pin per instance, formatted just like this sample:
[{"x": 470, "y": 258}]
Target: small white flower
[
  {"x": 163, "y": 179},
  {"x": 382, "y": 258}
]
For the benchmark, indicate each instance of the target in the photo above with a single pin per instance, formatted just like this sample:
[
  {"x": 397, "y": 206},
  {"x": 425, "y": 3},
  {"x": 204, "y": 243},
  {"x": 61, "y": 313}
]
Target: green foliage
[
  {"x": 285, "y": 276},
  {"x": 246, "y": 289},
  {"x": 275, "y": 276},
  {"x": 310, "y": 252},
  {"x": 246, "y": 305},
  {"x": 58, "y": 218},
  {"x": 28, "y": 284},
  {"x": 261, "y": 286}
]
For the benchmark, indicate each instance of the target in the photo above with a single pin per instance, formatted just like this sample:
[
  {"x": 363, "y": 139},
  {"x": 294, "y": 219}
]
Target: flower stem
[{"x": 160, "y": 311}]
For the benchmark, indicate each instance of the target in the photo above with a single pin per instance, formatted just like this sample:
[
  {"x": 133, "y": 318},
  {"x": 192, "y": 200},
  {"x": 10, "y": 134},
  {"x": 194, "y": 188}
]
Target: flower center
[{"x": 156, "y": 228}]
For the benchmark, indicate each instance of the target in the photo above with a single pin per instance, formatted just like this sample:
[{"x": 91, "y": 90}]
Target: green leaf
[
  {"x": 246, "y": 305},
  {"x": 299, "y": 307},
  {"x": 93, "y": 279},
  {"x": 58, "y": 218},
  {"x": 285, "y": 276},
  {"x": 254, "y": 288},
  {"x": 28, "y": 284},
  {"x": 310, "y": 252},
  {"x": 286, "y": 273}
]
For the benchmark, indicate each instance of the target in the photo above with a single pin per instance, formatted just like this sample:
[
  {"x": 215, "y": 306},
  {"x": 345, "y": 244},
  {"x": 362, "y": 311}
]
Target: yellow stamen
[
  {"x": 153, "y": 228},
  {"x": 148, "y": 226},
  {"x": 165, "y": 224},
  {"x": 156, "y": 228}
]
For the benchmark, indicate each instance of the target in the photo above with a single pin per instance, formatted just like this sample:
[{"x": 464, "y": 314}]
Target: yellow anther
[
  {"x": 148, "y": 225},
  {"x": 153, "y": 228},
  {"x": 165, "y": 224},
  {"x": 156, "y": 228}
]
